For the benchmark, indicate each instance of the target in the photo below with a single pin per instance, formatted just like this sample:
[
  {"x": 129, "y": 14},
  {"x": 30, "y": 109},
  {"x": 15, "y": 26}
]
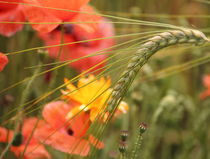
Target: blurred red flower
[
  {"x": 206, "y": 82},
  {"x": 3, "y": 61},
  {"x": 102, "y": 28},
  {"x": 34, "y": 149},
  {"x": 59, "y": 12},
  {"x": 63, "y": 134},
  {"x": 10, "y": 12},
  {"x": 9, "y": 4}
]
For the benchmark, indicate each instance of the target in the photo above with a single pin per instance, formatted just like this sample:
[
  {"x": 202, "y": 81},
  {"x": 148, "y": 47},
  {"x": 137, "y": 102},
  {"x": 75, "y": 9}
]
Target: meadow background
[{"x": 165, "y": 94}]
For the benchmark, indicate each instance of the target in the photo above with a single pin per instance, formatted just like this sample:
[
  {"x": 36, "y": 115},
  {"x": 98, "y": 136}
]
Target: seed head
[
  {"x": 122, "y": 147},
  {"x": 124, "y": 135},
  {"x": 143, "y": 127}
]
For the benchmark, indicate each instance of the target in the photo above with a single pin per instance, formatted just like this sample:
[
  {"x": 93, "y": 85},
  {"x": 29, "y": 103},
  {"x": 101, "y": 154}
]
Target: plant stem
[{"x": 134, "y": 153}]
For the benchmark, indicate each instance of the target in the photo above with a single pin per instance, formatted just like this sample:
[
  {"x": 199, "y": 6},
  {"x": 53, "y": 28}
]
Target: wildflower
[
  {"x": 3, "y": 61},
  {"x": 38, "y": 11},
  {"x": 206, "y": 82},
  {"x": 101, "y": 29},
  {"x": 33, "y": 148},
  {"x": 91, "y": 94},
  {"x": 63, "y": 134},
  {"x": 11, "y": 13}
]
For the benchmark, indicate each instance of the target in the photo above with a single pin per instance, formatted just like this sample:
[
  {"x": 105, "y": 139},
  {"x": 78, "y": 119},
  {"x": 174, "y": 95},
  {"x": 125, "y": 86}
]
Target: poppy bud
[
  {"x": 122, "y": 147},
  {"x": 124, "y": 135},
  {"x": 142, "y": 127},
  {"x": 17, "y": 140}
]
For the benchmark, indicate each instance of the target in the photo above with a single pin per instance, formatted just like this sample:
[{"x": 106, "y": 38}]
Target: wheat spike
[{"x": 142, "y": 55}]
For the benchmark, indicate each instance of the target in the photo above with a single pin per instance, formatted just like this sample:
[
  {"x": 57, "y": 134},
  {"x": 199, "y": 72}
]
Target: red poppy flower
[
  {"x": 66, "y": 135},
  {"x": 102, "y": 28},
  {"x": 10, "y": 13},
  {"x": 3, "y": 61},
  {"x": 42, "y": 15},
  {"x": 206, "y": 82},
  {"x": 34, "y": 149}
]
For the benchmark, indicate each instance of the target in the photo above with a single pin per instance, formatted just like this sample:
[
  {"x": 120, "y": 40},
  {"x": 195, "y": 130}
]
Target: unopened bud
[
  {"x": 124, "y": 135},
  {"x": 142, "y": 127},
  {"x": 122, "y": 147},
  {"x": 17, "y": 140}
]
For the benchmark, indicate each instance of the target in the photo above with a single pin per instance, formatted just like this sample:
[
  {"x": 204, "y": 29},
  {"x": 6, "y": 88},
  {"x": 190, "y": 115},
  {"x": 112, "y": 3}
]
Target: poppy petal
[
  {"x": 30, "y": 125},
  {"x": 33, "y": 151},
  {"x": 5, "y": 135},
  {"x": 80, "y": 124},
  {"x": 104, "y": 30},
  {"x": 98, "y": 144},
  {"x": 3, "y": 61},
  {"x": 89, "y": 15},
  {"x": 206, "y": 81},
  {"x": 8, "y": 5},
  {"x": 39, "y": 15},
  {"x": 205, "y": 94},
  {"x": 54, "y": 113},
  {"x": 68, "y": 6},
  {"x": 62, "y": 141},
  {"x": 12, "y": 15}
]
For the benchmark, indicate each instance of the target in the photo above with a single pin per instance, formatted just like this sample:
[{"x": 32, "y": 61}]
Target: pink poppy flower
[{"x": 63, "y": 134}]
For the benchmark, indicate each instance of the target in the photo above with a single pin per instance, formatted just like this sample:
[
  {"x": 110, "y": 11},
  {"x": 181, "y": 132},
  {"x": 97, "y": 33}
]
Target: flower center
[
  {"x": 70, "y": 132},
  {"x": 68, "y": 28}
]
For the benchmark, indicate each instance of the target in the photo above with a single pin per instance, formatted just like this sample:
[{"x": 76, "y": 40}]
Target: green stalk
[{"x": 134, "y": 153}]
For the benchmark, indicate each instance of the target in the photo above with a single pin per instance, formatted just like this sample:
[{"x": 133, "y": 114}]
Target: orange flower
[
  {"x": 34, "y": 149},
  {"x": 91, "y": 94},
  {"x": 10, "y": 13},
  {"x": 3, "y": 61},
  {"x": 63, "y": 134},
  {"x": 80, "y": 31},
  {"x": 206, "y": 82},
  {"x": 40, "y": 14}
]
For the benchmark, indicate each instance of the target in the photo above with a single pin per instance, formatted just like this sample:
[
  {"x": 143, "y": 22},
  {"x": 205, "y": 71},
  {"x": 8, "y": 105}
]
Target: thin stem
[{"x": 136, "y": 149}]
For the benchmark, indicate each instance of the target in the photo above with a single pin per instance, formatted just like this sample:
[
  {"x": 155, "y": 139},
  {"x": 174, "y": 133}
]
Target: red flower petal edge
[{"x": 3, "y": 61}]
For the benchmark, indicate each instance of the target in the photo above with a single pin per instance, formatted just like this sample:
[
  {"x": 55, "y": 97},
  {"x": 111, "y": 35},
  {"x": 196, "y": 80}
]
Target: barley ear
[{"x": 147, "y": 49}]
